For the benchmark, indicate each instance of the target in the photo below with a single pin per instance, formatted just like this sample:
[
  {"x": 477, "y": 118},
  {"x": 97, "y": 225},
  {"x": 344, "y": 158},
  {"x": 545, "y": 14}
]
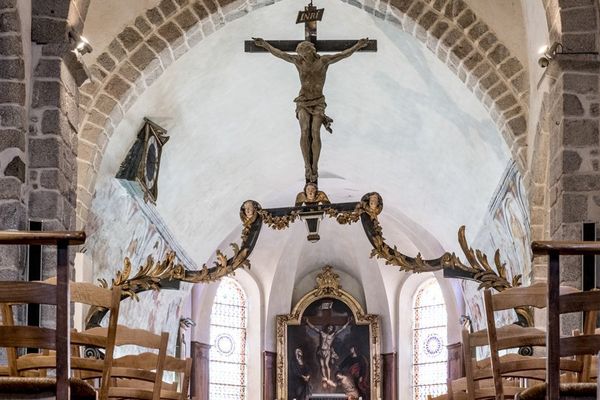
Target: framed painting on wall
[{"x": 328, "y": 347}]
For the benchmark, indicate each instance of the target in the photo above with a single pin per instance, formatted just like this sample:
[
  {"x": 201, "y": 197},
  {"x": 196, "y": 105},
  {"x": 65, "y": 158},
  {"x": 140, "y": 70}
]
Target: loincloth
[{"x": 314, "y": 107}]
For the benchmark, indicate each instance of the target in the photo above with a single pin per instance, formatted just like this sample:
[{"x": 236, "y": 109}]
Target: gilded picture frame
[{"x": 328, "y": 356}]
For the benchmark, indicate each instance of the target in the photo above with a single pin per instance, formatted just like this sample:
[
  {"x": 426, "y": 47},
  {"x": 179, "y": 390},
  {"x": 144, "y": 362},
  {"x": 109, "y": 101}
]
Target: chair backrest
[
  {"x": 513, "y": 336},
  {"x": 89, "y": 294},
  {"x": 13, "y": 336},
  {"x": 144, "y": 367},
  {"x": 183, "y": 368}
]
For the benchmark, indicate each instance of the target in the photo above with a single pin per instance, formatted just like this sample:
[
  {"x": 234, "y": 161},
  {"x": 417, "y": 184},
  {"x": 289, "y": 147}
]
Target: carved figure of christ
[
  {"x": 310, "y": 103},
  {"x": 325, "y": 352}
]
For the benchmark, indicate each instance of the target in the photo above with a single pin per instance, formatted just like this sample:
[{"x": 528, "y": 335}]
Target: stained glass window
[
  {"x": 228, "y": 351},
  {"x": 430, "y": 355}
]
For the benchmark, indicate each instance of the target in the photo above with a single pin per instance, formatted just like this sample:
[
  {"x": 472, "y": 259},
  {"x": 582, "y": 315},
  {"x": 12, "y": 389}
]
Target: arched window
[
  {"x": 430, "y": 355},
  {"x": 228, "y": 352}
]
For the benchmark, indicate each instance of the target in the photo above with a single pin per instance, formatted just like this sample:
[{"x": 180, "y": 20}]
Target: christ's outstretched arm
[
  {"x": 311, "y": 326},
  {"x": 346, "y": 53},
  {"x": 260, "y": 42}
]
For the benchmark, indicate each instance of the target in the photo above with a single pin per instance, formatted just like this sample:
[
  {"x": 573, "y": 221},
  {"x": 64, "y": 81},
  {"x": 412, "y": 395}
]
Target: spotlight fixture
[
  {"x": 80, "y": 44},
  {"x": 548, "y": 53}
]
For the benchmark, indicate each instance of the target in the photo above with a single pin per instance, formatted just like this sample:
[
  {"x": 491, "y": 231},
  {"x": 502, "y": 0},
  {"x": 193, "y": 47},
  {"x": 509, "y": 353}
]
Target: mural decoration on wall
[
  {"x": 506, "y": 226},
  {"x": 328, "y": 345}
]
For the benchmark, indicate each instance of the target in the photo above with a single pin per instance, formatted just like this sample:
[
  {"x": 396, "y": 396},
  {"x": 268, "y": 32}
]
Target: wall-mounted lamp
[
  {"x": 80, "y": 44},
  {"x": 312, "y": 220},
  {"x": 548, "y": 53}
]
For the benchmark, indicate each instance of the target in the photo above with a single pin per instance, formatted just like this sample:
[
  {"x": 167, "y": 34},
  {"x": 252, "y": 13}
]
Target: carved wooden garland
[{"x": 151, "y": 274}]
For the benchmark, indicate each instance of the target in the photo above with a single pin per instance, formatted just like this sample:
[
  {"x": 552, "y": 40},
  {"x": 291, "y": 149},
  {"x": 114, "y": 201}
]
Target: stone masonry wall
[{"x": 13, "y": 155}]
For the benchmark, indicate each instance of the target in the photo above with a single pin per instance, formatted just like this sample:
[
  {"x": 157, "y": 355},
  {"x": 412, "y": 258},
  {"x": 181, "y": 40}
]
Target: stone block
[
  {"x": 12, "y": 116},
  {"x": 97, "y": 118},
  {"x": 462, "y": 50},
  {"x": 117, "y": 50},
  {"x": 199, "y": 9},
  {"x": 578, "y": 19},
  {"x": 439, "y": 4},
  {"x": 580, "y": 132},
  {"x": 580, "y": 83},
  {"x": 520, "y": 82},
  {"x": 497, "y": 90},
  {"x": 12, "y": 69},
  {"x": 466, "y": 19},
  {"x": 581, "y": 183},
  {"x": 7, "y": 4},
  {"x": 128, "y": 72},
  {"x": 10, "y": 22},
  {"x": 12, "y": 138},
  {"x": 117, "y": 87},
  {"x": 143, "y": 25},
  {"x": 454, "y": 8},
  {"x": 16, "y": 167},
  {"x": 51, "y": 8},
  {"x": 488, "y": 81},
  {"x": 12, "y": 92},
  {"x": 142, "y": 57},
  {"x": 105, "y": 104},
  {"x": 10, "y": 188},
  {"x": 186, "y": 19},
  {"x": 106, "y": 61},
  {"x": 167, "y": 7},
  {"x": 401, "y": 5},
  {"x": 11, "y": 46},
  {"x": 170, "y": 32},
  {"x": 428, "y": 19},
  {"x": 415, "y": 10},
  {"x": 579, "y": 42},
  {"x": 182, "y": 3},
  {"x": 451, "y": 38},
  {"x": 499, "y": 54},
  {"x": 48, "y": 68},
  {"x": 510, "y": 67},
  {"x": 571, "y": 161},
  {"x": 439, "y": 29},
  {"x": 594, "y": 109},
  {"x": 130, "y": 38},
  {"x": 154, "y": 16},
  {"x": 478, "y": 30},
  {"x": 12, "y": 216},
  {"x": 572, "y": 105},
  {"x": 575, "y": 3},
  {"x": 48, "y": 30},
  {"x": 213, "y": 8},
  {"x": 156, "y": 43},
  {"x": 54, "y": 122},
  {"x": 518, "y": 126},
  {"x": 44, "y": 204},
  {"x": 90, "y": 133},
  {"x": 44, "y": 152},
  {"x": 575, "y": 207},
  {"x": 46, "y": 94}
]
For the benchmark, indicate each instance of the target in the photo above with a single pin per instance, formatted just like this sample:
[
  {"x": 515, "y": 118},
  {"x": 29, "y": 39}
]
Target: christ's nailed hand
[
  {"x": 260, "y": 42},
  {"x": 363, "y": 42}
]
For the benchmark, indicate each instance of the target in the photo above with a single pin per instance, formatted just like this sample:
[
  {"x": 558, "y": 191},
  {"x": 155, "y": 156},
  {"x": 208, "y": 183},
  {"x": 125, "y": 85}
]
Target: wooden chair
[
  {"x": 479, "y": 379},
  {"x": 559, "y": 303},
  {"x": 91, "y": 295},
  {"x": 169, "y": 391},
  {"x": 514, "y": 336},
  {"x": 12, "y": 336},
  {"x": 138, "y": 369}
]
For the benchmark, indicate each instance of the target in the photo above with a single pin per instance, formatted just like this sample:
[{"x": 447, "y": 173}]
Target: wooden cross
[
  {"x": 325, "y": 317},
  {"x": 310, "y": 16}
]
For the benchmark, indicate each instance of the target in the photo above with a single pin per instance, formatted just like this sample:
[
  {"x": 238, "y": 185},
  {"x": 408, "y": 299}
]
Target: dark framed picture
[{"x": 328, "y": 347}]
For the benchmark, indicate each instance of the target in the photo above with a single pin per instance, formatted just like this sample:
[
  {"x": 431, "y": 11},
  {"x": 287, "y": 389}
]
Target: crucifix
[
  {"x": 312, "y": 68},
  {"x": 325, "y": 352}
]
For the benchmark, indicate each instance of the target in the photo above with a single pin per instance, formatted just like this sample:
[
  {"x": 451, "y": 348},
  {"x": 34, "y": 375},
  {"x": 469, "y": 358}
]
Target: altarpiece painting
[{"x": 328, "y": 347}]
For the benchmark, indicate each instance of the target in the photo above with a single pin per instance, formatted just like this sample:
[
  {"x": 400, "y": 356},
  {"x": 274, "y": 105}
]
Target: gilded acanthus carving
[{"x": 328, "y": 283}]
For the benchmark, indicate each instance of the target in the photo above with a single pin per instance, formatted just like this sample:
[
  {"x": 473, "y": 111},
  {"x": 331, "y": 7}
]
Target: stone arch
[{"x": 143, "y": 50}]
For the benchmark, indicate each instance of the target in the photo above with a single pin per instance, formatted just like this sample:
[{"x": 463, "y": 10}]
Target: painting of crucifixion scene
[{"x": 328, "y": 353}]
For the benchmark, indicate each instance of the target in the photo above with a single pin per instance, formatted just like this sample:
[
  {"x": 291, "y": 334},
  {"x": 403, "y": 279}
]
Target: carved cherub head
[
  {"x": 372, "y": 203},
  {"x": 249, "y": 211},
  {"x": 311, "y": 190}
]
